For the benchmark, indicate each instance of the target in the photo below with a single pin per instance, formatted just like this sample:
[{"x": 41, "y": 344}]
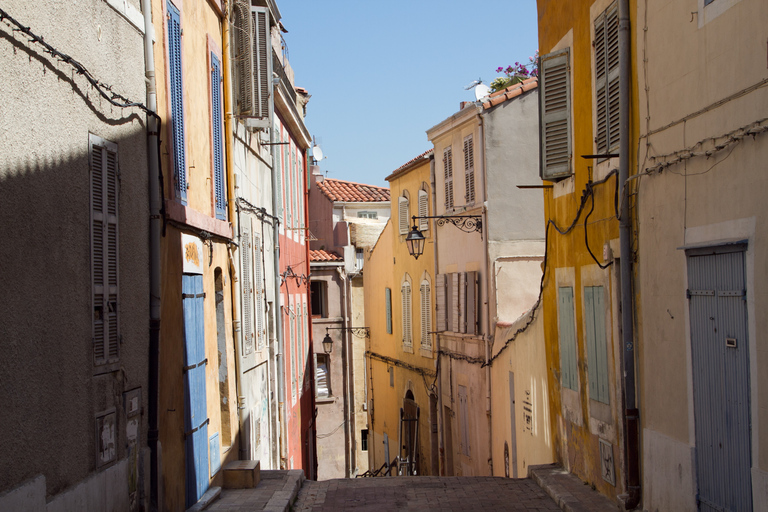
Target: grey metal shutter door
[{"x": 721, "y": 393}]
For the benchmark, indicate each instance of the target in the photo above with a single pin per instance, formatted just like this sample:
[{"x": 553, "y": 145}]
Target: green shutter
[
  {"x": 555, "y": 115},
  {"x": 568, "y": 367},
  {"x": 597, "y": 358}
]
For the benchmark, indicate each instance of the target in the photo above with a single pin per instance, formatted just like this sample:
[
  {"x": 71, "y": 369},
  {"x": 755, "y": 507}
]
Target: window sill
[
  {"x": 325, "y": 399},
  {"x": 187, "y": 215}
]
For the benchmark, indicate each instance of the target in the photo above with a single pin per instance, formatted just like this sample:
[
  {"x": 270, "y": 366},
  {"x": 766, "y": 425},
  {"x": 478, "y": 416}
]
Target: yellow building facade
[
  {"x": 399, "y": 310},
  {"x": 579, "y": 113}
]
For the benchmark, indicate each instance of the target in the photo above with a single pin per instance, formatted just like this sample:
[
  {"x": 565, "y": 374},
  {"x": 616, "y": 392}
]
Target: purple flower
[{"x": 499, "y": 69}]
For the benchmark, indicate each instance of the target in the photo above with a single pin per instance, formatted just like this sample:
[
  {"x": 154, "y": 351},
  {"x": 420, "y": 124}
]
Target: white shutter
[
  {"x": 247, "y": 290},
  {"x": 277, "y": 162},
  {"x": 469, "y": 170},
  {"x": 258, "y": 289},
  {"x": 448, "y": 172},
  {"x": 287, "y": 185},
  {"x": 462, "y": 302},
  {"x": 554, "y": 114},
  {"x": 104, "y": 250},
  {"x": 442, "y": 302},
  {"x": 402, "y": 209},
  {"x": 406, "y": 299},
  {"x": 426, "y": 314},
  {"x": 472, "y": 303},
  {"x": 454, "y": 302},
  {"x": 423, "y": 210}
]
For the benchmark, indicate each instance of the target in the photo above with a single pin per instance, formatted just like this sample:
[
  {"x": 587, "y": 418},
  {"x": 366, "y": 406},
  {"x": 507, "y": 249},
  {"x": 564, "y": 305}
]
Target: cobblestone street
[{"x": 424, "y": 493}]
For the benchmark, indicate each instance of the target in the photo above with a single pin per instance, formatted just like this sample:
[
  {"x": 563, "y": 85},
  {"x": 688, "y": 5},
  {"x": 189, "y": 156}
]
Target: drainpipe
[
  {"x": 631, "y": 414},
  {"x": 234, "y": 219},
  {"x": 155, "y": 230},
  {"x": 488, "y": 336},
  {"x": 278, "y": 291}
]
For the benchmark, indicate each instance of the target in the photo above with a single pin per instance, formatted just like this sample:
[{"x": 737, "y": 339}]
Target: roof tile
[
  {"x": 511, "y": 92},
  {"x": 348, "y": 191},
  {"x": 321, "y": 255}
]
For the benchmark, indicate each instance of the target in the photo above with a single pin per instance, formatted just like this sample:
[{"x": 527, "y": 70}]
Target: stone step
[{"x": 242, "y": 474}]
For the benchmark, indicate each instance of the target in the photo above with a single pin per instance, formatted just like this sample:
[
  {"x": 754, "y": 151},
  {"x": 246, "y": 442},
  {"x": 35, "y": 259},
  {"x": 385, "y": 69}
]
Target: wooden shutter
[
  {"x": 288, "y": 186},
  {"x": 448, "y": 172},
  {"x": 607, "y": 79},
  {"x": 104, "y": 250},
  {"x": 261, "y": 76},
  {"x": 258, "y": 290},
  {"x": 294, "y": 188},
  {"x": 388, "y": 308},
  {"x": 247, "y": 290},
  {"x": 462, "y": 302},
  {"x": 423, "y": 210},
  {"x": 406, "y": 299},
  {"x": 554, "y": 114},
  {"x": 217, "y": 140},
  {"x": 472, "y": 303},
  {"x": 454, "y": 317},
  {"x": 305, "y": 328},
  {"x": 426, "y": 314},
  {"x": 597, "y": 357},
  {"x": 176, "y": 92},
  {"x": 469, "y": 170},
  {"x": 279, "y": 175},
  {"x": 442, "y": 304},
  {"x": 402, "y": 209},
  {"x": 243, "y": 58},
  {"x": 568, "y": 368}
]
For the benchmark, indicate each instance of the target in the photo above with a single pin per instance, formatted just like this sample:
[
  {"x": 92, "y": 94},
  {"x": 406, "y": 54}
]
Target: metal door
[
  {"x": 720, "y": 357},
  {"x": 195, "y": 408}
]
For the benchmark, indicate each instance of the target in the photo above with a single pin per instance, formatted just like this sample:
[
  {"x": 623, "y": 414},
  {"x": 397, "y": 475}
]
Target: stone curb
[{"x": 568, "y": 491}]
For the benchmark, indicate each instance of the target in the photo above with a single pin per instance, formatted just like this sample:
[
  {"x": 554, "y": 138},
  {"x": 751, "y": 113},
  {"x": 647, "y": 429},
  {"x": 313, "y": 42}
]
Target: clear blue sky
[{"x": 382, "y": 73}]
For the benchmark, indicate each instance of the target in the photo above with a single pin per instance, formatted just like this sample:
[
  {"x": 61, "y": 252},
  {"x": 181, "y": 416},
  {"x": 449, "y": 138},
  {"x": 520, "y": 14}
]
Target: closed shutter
[
  {"x": 442, "y": 304},
  {"x": 472, "y": 303},
  {"x": 258, "y": 290},
  {"x": 454, "y": 302},
  {"x": 294, "y": 188},
  {"x": 177, "y": 102},
  {"x": 406, "y": 299},
  {"x": 448, "y": 172},
  {"x": 247, "y": 290},
  {"x": 597, "y": 358},
  {"x": 262, "y": 63},
  {"x": 217, "y": 139},
  {"x": 469, "y": 170},
  {"x": 293, "y": 357},
  {"x": 402, "y": 209},
  {"x": 607, "y": 79},
  {"x": 279, "y": 176},
  {"x": 305, "y": 328},
  {"x": 104, "y": 250},
  {"x": 568, "y": 368},
  {"x": 243, "y": 58},
  {"x": 423, "y": 210},
  {"x": 388, "y": 308},
  {"x": 554, "y": 114},
  {"x": 462, "y": 317},
  {"x": 426, "y": 314},
  {"x": 287, "y": 186}
]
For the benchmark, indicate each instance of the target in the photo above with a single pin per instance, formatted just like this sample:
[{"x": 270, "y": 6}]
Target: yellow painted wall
[
  {"x": 574, "y": 423},
  {"x": 388, "y": 262}
]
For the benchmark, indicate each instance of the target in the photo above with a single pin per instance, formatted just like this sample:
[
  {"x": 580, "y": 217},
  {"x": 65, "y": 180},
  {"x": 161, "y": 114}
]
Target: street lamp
[
  {"x": 467, "y": 223},
  {"x": 360, "y": 332},
  {"x": 327, "y": 343}
]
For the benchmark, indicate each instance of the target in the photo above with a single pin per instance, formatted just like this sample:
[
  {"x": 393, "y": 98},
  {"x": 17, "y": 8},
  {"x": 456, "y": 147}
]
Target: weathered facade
[
  {"x": 74, "y": 213},
  {"x": 401, "y": 355}
]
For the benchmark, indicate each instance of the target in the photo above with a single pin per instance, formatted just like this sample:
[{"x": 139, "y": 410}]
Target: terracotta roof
[
  {"x": 321, "y": 255},
  {"x": 511, "y": 92},
  {"x": 409, "y": 163},
  {"x": 348, "y": 191}
]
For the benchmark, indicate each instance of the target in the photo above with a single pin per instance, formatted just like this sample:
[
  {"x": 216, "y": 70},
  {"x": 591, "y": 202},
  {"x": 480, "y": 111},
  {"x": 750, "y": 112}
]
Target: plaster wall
[
  {"x": 50, "y": 389},
  {"x": 703, "y": 201}
]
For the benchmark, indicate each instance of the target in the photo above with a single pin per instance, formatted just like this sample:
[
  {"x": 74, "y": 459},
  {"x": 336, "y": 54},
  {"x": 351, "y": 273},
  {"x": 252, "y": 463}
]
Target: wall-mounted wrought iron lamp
[
  {"x": 360, "y": 332},
  {"x": 467, "y": 223},
  {"x": 289, "y": 273},
  {"x": 327, "y": 343}
]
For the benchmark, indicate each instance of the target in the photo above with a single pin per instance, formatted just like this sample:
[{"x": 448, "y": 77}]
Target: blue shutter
[
  {"x": 177, "y": 101},
  {"x": 217, "y": 139},
  {"x": 568, "y": 373}
]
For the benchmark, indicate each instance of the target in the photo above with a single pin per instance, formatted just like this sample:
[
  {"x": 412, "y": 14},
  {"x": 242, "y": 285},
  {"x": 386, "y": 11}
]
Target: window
[
  {"x": 253, "y": 60},
  {"x": 246, "y": 257},
  {"x": 388, "y": 308},
  {"x": 406, "y": 299},
  {"x": 217, "y": 140},
  {"x": 597, "y": 357},
  {"x": 288, "y": 184},
  {"x": 359, "y": 259},
  {"x": 402, "y": 209},
  {"x": 176, "y": 92},
  {"x": 568, "y": 353},
  {"x": 607, "y": 79},
  {"x": 258, "y": 291},
  {"x": 458, "y": 302},
  {"x": 391, "y": 371},
  {"x": 105, "y": 190},
  {"x": 322, "y": 376},
  {"x": 364, "y": 439},
  {"x": 423, "y": 210},
  {"x": 469, "y": 170},
  {"x": 367, "y": 215},
  {"x": 278, "y": 164},
  {"x": 293, "y": 356},
  {"x": 448, "y": 172},
  {"x": 317, "y": 296},
  {"x": 426, "y": 315},
  {"x": 555, "y": 115}
]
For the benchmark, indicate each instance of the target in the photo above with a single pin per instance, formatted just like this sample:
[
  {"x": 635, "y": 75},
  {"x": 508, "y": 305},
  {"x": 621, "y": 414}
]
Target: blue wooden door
[
  {"x": 720, "y": 356},
  {"x": 195, "y": 408}
]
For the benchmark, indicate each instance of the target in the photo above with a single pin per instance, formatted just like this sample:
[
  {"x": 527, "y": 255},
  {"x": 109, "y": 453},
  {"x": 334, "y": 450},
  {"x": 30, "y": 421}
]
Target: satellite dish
[
  {"x": 317, "y": 153},
  {"x": 481, "y": 91}
]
